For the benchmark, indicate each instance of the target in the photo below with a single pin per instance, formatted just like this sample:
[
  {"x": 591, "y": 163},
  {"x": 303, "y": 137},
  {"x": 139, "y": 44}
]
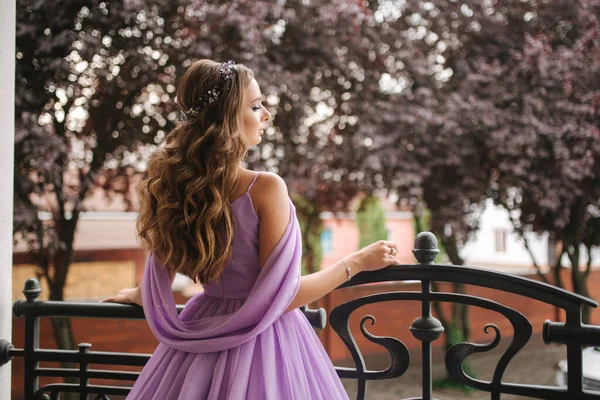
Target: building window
[
  {"x": 500, "y": 235},
  {"x": 327, "y": 241}
]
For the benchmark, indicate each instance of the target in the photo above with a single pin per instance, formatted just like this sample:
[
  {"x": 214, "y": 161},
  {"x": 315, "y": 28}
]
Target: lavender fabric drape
[
  {"x": 271, "y": 295},
  {"x": 235, "y": 341}
]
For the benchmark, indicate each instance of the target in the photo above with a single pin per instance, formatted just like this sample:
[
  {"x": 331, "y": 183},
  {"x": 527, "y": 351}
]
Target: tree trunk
[
  {"x": 556, "y": 271},
  {"x": 437, "y": 307},
  {"x": 63, "y": 333},
  {"x": 579, "y": 280},
  {"x": 311, "y": 226},
  {"x": 313, "y": 245},
  {"x": 61, "y": 327},
  {"x": 586, "y": 311},
  {"x": 464, "y": 313},
  {"x": 558, "y": 268},
  {"x": 517, "y": 227},
  {"x": 461, "y": 311},
  {"x": 457, "y": 327}
]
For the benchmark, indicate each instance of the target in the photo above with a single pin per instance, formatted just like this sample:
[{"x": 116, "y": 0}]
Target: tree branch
[
  {"x": 558, "y": 268},
  {"x": 519, "y": 229},
  {"x": 588, "y": 267},
  {"x": 437, "y": 306}
]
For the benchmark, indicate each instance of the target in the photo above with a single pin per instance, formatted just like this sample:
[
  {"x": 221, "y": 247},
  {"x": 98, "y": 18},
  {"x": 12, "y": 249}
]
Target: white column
[{"x": 7, "y": 133}]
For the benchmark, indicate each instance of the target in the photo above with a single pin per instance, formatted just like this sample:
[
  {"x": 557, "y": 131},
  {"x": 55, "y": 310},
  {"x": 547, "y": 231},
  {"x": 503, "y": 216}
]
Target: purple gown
[{"x": 235, "y": 341}]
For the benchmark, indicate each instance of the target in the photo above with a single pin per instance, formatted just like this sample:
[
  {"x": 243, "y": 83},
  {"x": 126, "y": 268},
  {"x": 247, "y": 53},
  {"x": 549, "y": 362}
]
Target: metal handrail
[{"x": 573, "y": 333}]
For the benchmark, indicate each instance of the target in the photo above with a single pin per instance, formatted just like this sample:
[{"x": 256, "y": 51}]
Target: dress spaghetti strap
[{"x": 252, "y": 181}]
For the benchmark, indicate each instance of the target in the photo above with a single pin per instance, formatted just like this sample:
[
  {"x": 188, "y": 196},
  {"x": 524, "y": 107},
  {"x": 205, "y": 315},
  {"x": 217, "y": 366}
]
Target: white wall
[
  {"x": 98, "y": 231},
  {"x": 480, "y": 251},
  {"x": 7, "y": 102}
]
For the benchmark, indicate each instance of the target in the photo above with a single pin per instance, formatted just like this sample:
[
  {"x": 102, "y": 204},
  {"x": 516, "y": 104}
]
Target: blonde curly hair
[{"x": 185, "y": 216}]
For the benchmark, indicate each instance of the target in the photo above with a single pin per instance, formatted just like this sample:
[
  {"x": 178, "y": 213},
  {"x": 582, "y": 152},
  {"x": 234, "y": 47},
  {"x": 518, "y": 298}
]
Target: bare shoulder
[
  {"x": 272, "y": 203},
  {"x": 269, "y": 190},
  {"x": 270, "y": 181}
]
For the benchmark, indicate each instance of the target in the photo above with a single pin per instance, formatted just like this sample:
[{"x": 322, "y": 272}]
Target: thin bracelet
[{"x": 348, "y": 270}]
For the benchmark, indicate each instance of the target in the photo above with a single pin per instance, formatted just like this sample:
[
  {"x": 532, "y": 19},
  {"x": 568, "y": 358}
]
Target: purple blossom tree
[
  {"x": 543, "y": 96},
  {"x": 95, "y": 94}
]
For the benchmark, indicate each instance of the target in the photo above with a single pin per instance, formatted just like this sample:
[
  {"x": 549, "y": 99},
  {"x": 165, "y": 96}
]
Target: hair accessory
[{"x": 227, "y": 72}]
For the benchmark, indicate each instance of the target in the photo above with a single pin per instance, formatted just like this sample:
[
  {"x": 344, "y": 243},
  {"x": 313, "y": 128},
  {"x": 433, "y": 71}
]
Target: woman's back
[
  {"x": 243, "y": 268},
  {"x": 236, "y": 341}
]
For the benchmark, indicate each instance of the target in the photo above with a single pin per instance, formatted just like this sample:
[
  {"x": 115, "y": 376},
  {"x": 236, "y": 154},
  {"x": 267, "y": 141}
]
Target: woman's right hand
[
  {"x": 126, "y": 296},
  {"x": 374, "y": 256}
]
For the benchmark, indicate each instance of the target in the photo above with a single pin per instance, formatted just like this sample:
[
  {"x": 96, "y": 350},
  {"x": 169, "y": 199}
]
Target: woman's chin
[{"x": 255, "y": 142}]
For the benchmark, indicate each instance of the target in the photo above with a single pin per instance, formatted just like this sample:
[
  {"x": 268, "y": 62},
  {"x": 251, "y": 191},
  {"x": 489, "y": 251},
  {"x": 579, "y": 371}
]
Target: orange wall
[{"x": 345, "y": 237}]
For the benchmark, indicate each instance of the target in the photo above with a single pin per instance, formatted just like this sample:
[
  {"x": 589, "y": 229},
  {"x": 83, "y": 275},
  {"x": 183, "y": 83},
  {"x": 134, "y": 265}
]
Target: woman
[{"x": 236, "y": 232}]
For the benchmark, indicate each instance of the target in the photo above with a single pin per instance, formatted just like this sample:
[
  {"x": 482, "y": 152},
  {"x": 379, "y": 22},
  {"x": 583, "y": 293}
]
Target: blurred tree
[
  {"x": 591, "y": 239},
  {"x": 95, "y": 91},
  {"x": 542, "y": 96},
  {"x": 311, "y": 227},
  {"x": 84, "y": 102},
  {"x": 475, "y": 91},
  {"x": 433, "y": 155},
  {"x": 497, "y": 99},
  {"x": 451, "y": 186},
  {"x": 321, "y": 70},
  {"x": 370, "y": 220}
]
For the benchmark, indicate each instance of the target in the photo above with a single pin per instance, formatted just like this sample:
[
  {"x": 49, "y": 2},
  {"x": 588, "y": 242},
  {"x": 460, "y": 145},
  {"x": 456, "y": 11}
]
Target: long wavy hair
[{"x": 185, "y": 217}]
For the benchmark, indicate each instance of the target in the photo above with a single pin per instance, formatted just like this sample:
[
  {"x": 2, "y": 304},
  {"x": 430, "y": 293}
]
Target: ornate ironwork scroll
[{"x": 427, "y": 328}]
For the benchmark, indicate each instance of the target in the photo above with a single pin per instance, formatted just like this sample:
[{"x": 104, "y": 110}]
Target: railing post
[
  {"x": 574, "y": 357},
  {"x": 426, "y": 328},
  {"x": 31, "y": 291},
  {"x": 83, "y": 370}
]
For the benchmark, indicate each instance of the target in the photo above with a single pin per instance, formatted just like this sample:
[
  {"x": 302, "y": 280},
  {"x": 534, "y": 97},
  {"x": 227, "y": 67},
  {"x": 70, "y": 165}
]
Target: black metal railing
[
  {"x": 573, "y": 333},
  {"x": 32, "y": 310}
]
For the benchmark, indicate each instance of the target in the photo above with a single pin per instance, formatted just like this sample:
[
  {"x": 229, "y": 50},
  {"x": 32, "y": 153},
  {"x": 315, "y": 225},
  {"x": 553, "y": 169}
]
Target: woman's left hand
[{"x": 126, "y": 296}]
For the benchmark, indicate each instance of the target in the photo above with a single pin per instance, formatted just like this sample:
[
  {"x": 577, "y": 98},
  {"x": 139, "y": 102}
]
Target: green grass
[{"x": 450, "y": 383}]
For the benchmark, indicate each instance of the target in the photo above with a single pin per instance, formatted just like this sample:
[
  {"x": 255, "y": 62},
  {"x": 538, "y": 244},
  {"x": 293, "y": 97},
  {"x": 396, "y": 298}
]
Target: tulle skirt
[{"x": 286, "y": 361}]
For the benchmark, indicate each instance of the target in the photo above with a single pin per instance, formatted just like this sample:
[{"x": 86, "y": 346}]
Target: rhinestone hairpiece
[{"x": 227, "y": 72}]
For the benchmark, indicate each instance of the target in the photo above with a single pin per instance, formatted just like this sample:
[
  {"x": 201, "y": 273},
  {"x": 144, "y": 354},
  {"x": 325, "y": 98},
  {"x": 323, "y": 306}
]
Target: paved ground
[{"x": 536, "y": 364}]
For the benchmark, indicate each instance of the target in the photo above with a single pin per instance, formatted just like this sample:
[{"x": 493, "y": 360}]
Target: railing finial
[
  {"x": 32, "y": 290},
  {"x": 5, "y": 348},
  {"x": 426, "y": 248}
]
